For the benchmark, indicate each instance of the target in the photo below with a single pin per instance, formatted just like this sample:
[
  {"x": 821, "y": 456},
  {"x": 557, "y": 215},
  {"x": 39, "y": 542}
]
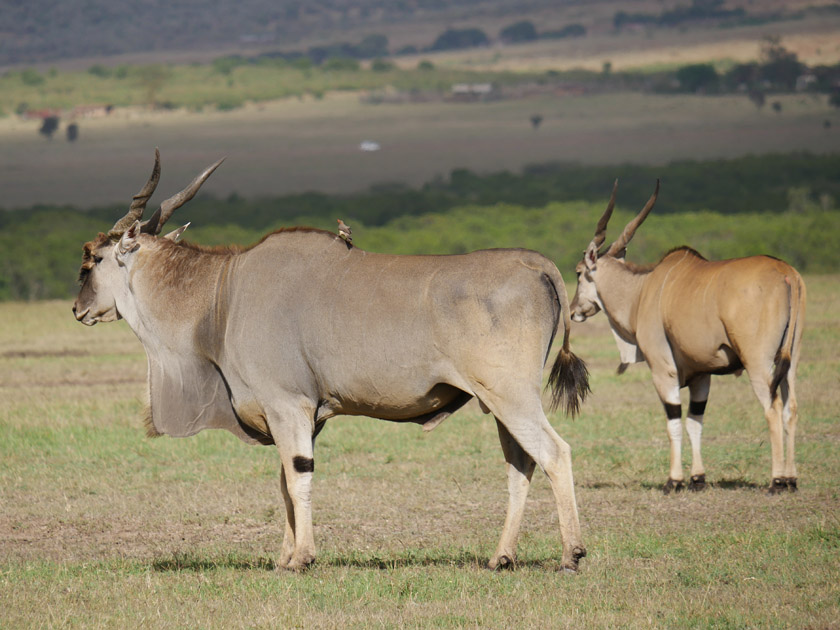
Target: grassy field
[
  {"x": 293, "y": 146},
  {"x": 101, "y": 527}
]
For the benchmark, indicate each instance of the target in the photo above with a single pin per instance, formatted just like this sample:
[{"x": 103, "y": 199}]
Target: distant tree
[
  {"x": 742, "y": 75},
  {"x": 834, "y": 99},
  {"x": 72, "y": 132},
  {"x": 698, "y": 77},
  {"x": 536, "y": 119},
  {"x": 425, "y": 65},
  {"x": 757, "y": 97},
  {"x": 373, "y": 46},
  {"x": 49, "y": 126},
  {"x": 152, "y": 78},
  {"x": 606, "y": 69},
  {"x": 780, "y": 66},
  {"x": 777, "y": 107},
  {"x": 523, "y": 31},
  {"x": 460, "y": 38}
]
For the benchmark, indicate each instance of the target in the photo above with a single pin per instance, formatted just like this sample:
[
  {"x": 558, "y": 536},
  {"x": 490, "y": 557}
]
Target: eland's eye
[{"x": 97, "y": 259}]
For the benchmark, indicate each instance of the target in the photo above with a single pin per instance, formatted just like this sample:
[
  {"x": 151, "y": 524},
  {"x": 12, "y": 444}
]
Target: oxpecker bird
[{"x": 344, "y": 232}]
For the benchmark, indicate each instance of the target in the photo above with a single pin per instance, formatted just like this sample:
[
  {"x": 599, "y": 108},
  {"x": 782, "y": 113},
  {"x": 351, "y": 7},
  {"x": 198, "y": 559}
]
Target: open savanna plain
[
  {"x": 290, "y": 146},
  {"x": 103, "y": 527}
]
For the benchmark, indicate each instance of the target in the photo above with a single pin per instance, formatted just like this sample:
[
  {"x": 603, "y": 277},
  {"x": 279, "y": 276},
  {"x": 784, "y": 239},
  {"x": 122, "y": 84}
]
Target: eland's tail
[
  {"x": 793, "y": 331},
  {"x": 569, "y": 378}
]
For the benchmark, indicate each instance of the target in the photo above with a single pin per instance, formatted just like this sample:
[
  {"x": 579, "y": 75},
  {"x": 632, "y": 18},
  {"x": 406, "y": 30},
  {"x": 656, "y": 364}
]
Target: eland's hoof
[
  {"x": 502, "y": 563},
  {"x": 299, "y": 563},
  {"x": 577, "y": 554},
  {"x": 673, "y": 486},
  {"x": 697, "y": 483},
  {"x": 778, "y": 485}
]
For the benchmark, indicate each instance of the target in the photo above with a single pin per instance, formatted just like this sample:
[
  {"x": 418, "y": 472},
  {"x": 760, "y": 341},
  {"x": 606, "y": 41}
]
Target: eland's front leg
[
  {"x": 288, "y": 547},
  {"x": 668, "y": 387},
  {"x": 292, "y": 433}
]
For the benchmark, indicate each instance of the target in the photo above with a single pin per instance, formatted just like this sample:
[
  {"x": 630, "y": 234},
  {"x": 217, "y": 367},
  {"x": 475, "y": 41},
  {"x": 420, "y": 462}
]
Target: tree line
[{"x": 783, "y": 205}]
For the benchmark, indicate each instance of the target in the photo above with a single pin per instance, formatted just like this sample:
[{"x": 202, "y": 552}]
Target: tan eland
[
  {"x": 270, "y": 341},
  {"x": 689, "y": 318}
]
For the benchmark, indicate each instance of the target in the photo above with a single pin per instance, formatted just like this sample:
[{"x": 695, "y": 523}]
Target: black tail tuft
[
  {"x": 569, "y": 382},
  {"x": 782, "y": 368}
]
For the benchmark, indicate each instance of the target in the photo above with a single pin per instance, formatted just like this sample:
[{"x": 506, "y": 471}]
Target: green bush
[
  {"x": 382, "y": 65},
  {"x": 98, "y": 70},
  {"x": 698, "y": 77},
  {"x": 523, "y": 31},
  {"x": 31, "y": 77},
  {"x": 341, "y": 64},
  {"x": 452, "y": 39},
  {"x": 226, "y": 65}
]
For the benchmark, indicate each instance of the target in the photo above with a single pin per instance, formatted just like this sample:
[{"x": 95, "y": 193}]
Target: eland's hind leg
[
  {"x": 520, "y": 468},
  {"x": 699, "y": 394},
  {"x": 521, "y": 413},
  {"x": 790, "y": 417},
  {"x": 773, "y": 409}
]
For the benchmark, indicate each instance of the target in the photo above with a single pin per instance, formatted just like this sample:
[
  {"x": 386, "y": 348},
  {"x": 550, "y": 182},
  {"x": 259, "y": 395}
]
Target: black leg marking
[
  {"x": 696, "y": 408},
  {"x": 673, "y": 411},
  {"x": 303, "y": 464}
]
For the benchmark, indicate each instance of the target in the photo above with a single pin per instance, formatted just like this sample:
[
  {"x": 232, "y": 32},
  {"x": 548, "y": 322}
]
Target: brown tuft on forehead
[
  {"x": 87, "y": 255},
  {"x": 89, "y": 247}
]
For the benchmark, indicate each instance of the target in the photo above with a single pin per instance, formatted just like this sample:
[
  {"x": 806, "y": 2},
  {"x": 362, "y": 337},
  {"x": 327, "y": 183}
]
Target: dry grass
[{"x": 101, "y": 527}]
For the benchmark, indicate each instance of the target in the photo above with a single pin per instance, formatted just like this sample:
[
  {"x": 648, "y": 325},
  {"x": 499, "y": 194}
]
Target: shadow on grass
[
  {"x": 180, "y": 562},
  {"x": 721, "y": 484}
]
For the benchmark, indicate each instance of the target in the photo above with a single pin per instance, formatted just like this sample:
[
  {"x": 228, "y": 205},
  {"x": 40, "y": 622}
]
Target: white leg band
[
  {"x": 675, "y": 431},
  {"x": 694, "y": 428}
]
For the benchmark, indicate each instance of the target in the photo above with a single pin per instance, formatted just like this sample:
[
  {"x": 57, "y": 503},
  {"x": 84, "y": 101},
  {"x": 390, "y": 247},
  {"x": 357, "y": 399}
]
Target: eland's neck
[{"x": 620, "y": 289}]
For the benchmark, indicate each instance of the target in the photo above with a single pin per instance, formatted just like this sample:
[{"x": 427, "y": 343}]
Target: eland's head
[
  {"x": 107, "y": 259},
  {"x": 586, "y": 301}
]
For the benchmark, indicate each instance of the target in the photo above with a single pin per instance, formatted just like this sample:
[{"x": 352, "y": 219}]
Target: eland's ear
[
  {"x": 590, "y": 256},
  {"x": 174, "y": 235},
  {"x": 128, "y": 241}
]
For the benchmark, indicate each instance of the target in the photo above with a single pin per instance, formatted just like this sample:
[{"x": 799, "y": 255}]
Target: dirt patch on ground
[{"x": 41, "y": 354}]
